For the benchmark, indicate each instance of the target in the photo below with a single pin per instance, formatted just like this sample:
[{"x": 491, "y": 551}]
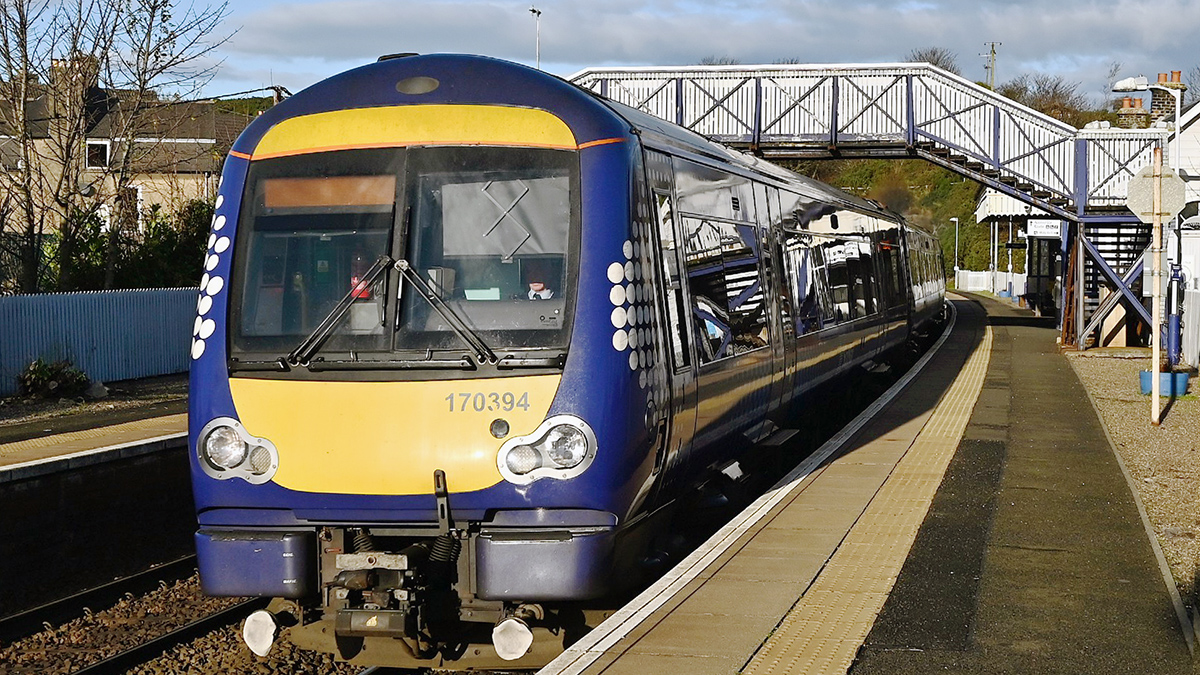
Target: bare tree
[
  {"x": 1192, "y": 95},
  {"x": 1111, "y": 101},
  {"x": 720, "y": 61},
  {"x": 161, "y": 47},
  {"x": 1050, "y": 94},
  {"x": 67, "y": 65},
  {"x": 939, "y": 57},
  {"x": 23, "y": 48}
]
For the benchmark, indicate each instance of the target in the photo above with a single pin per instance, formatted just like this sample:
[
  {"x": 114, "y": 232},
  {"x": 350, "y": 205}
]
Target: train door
[
  {"x": 681, "y": 417},
  {"x": 775, "y": 293}
]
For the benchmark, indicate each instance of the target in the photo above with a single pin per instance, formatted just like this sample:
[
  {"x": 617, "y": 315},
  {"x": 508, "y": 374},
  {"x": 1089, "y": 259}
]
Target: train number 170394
[{"x": 487, "y": 401}]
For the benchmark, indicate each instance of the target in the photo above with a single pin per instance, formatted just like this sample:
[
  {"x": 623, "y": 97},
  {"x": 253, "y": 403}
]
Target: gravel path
[{"x": 1164, "y": 461}]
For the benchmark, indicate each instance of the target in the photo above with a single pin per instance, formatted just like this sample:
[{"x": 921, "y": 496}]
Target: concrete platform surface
[{"x": 978, "y": 523}]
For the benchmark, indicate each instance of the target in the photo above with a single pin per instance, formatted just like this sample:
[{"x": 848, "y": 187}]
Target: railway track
[
  {"x": 153, "y": 648},
  {"x": 52, "y": 613},
  {"x": 118, "y": 626}
]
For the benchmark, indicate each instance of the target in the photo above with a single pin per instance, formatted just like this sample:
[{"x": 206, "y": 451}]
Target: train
[{"x": 468, "y": 335}]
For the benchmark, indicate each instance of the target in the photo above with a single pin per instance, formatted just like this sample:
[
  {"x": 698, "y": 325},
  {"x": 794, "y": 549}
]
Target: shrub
[{"x": 48, "y": 380}]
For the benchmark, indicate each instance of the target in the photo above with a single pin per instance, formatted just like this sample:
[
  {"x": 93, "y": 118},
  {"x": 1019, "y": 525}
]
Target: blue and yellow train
[{"x": 467, "y": 332}]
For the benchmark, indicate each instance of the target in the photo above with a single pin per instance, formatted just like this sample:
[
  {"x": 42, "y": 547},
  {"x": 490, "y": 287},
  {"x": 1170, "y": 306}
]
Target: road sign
[{"x": 1140, "y": 199}]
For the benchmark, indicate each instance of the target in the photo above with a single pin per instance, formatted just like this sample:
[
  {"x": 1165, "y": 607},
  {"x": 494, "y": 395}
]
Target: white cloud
[{"x": 296, "y": 43}]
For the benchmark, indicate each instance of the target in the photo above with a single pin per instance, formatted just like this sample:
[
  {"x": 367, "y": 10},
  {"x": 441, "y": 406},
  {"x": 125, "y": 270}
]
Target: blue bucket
[{"x": 1169, "y": 384}]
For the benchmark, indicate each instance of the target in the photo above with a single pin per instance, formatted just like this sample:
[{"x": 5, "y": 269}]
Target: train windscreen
[{"x": 488, "y": 229}]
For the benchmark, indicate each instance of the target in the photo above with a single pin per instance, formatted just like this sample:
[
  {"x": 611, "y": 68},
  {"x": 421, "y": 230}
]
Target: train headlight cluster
[
  {"x": 226, "y": 450},
  {"x": 562, "y": 447}
]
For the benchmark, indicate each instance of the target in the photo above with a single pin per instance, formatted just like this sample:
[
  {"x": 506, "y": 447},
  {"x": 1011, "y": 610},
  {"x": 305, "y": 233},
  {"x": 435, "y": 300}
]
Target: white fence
[
  {"x": 1191, "y": 328},
  {"x": 999, "y": 283},
  {"x": 110, "y": 335}
]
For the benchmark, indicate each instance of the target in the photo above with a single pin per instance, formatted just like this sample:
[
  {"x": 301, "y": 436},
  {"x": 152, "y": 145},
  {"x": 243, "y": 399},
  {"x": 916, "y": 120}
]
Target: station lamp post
[
  {"x": 537, "y": 28},
  {"x": 955, "y": 249},
  {"x": 1141, "y": 83}
]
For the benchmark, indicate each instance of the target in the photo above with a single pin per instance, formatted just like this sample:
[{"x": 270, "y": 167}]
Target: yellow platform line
[
  {"x": 92, "y": 439},
  {"x": 824, "y": 630}
]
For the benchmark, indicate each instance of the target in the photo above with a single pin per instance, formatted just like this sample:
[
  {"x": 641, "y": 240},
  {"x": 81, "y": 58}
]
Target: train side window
[
  {"x": 743, "y": 288},
  {"x": 778, "y": 271},
  {"x": 706, "y": 281},
  {"x": 665, "y": 218}
]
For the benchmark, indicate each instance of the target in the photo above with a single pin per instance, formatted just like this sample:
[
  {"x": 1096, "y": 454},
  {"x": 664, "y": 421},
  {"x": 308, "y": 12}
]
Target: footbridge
[{"x": 918, "y": 110}]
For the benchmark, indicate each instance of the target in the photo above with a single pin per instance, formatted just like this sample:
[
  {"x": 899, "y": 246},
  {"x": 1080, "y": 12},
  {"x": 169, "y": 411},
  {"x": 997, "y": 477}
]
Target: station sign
[{"x": 1044, "y": 229}]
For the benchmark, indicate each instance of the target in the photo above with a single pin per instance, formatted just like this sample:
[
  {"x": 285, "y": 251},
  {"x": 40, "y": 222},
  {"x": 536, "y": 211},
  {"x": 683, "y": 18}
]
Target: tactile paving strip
[
  {"x": 824, "y": 630},
  {"x": 91, "y": 439}
]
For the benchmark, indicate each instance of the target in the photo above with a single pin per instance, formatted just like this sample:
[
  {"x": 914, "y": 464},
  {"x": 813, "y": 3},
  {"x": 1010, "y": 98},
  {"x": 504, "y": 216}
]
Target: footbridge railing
[{"x": 908, "y": 109}]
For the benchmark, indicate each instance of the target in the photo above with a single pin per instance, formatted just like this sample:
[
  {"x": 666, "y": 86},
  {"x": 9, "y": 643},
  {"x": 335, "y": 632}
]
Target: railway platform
[
  {"x": 69, "y": 450},
  {"x": 975, "y": 520}
]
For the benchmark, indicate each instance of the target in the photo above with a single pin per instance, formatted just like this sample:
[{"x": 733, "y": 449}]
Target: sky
[{"x": 299, "y": 42}]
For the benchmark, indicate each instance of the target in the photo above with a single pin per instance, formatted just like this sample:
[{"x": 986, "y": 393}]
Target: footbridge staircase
[{"x": 918, "y": 110}]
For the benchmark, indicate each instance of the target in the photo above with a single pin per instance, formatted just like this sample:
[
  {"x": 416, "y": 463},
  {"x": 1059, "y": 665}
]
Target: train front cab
[{"x": 427, "y": 483}]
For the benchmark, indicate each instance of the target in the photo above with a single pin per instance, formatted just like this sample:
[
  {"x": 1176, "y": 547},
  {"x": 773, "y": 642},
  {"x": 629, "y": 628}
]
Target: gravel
[
  {"x": 134, "y": 620},
  {"x": 1164, "y": 461},
  {"x": 103, "y": 633}
]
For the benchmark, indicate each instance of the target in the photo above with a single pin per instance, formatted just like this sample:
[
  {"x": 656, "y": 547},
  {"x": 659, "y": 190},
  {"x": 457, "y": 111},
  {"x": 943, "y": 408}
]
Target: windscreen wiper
[
  {"x": 303, "y": 353},
  {"x": 456, "y": 323}
]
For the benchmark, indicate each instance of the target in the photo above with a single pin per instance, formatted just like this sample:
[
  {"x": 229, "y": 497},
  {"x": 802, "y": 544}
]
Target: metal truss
[
  {"x": 907, "y": 110},
  {"x": 910, "y": 109}
]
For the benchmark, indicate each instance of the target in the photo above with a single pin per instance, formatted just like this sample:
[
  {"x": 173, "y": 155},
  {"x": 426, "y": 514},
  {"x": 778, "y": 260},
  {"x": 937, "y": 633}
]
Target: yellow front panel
[
  {"x": 387, "y": 438},
  {"x": 396, "y": 126}
]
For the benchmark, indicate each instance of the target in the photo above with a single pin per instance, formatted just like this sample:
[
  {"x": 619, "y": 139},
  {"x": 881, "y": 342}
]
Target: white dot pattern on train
[{"x": 210, "y": 284}]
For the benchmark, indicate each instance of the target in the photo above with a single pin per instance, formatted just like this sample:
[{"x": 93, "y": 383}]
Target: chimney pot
[
  {"x": 1162, "y": 77},
  {"x": 1137, "y": 103},
  {"x": 1176, "y": 75},
  {"x": 1127, "y": 102}
]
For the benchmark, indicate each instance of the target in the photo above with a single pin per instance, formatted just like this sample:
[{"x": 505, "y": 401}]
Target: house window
[{"x": 97, "y": 154}]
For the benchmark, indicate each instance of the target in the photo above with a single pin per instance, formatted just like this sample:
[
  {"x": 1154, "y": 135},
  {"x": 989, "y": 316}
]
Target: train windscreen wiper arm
[
  {"x": 304, "y": 352},
  {"x": 456, "y": 323}
]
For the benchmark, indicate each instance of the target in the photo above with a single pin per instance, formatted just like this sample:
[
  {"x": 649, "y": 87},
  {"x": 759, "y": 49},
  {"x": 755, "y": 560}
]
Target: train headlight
[
  {"x": 566, "y": 446},
  {"x": 562, "y": 447},
  {"x": 522, "y": 459},
  {"x": 226, "y": 450}
]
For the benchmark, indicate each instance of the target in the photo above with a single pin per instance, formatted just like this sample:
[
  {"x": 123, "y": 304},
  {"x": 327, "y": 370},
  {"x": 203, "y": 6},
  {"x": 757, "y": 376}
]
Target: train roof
[{"x": 465, "y": 78}]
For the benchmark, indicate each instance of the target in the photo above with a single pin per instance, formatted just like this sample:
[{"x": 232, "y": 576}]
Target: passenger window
[
  {"x": 706, "y": 280},
  {"x": 674, "y": 283}
]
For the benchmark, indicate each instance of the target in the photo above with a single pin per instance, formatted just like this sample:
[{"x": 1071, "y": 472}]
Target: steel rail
[
  {"x": 32, "y": 620},
  {"x": 156, "y": 647}
]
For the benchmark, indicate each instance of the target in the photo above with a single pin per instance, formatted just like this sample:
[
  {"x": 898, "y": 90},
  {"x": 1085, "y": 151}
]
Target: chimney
[
  {"x": 1162, "y": 103},
  {"x": 1132, "y": 115}
]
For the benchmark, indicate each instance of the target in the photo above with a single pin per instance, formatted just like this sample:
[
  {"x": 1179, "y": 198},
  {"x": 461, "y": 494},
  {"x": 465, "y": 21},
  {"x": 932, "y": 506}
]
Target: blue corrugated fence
[{"x": 110, "y": 335}]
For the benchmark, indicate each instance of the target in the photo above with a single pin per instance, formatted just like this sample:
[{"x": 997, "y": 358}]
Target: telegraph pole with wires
[{"x": 990, "y": 66}]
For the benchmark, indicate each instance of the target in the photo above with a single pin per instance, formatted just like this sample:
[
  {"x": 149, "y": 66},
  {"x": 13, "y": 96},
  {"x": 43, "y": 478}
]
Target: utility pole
[
  {"x": 991, "y": 63},
  {"x": 537, "y": 27}
]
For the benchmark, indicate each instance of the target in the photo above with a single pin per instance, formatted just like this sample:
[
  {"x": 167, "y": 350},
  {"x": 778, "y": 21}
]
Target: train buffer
[{"x": 978, "y": 523}]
